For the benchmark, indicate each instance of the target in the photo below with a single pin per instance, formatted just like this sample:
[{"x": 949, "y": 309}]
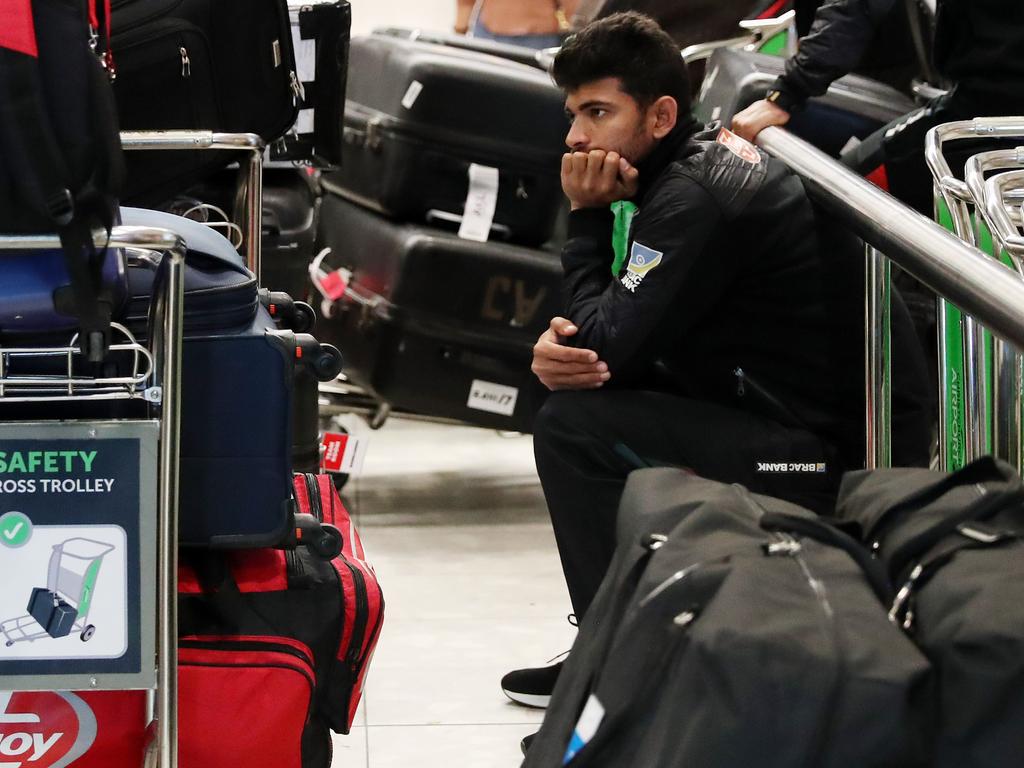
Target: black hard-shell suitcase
[
  {"x": 214, "y": 65},
  {"x": 291, "y": 207},
  {"x": 320, "y": 36},
  {"x": 734, "y": 630},
  {"x": 419, "y": 115},
  {"x": 54, "y": 614},
  {"x": 436, "y": 324},
  {"x": 529, "y": 56},
  {"x": 954, "y": 547},
  {"x": 853, "y": 106}
]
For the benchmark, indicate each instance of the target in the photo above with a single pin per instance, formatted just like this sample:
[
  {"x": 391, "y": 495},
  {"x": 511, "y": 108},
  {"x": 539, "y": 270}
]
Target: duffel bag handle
[
  {"x": 984, "y": 470},
  {"x": 826, "y": 533},
  {"x": 971, "y": 537}
]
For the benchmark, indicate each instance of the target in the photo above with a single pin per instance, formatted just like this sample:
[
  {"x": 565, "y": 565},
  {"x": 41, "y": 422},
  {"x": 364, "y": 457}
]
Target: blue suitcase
[
  {"x": 238, "y": 388},
  {"x": 238, "y": 379},
  {"x": 35, "y": 290}
]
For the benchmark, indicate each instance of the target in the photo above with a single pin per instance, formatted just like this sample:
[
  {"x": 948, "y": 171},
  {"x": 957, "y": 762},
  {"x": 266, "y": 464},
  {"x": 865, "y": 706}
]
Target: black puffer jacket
[
  {"x": 743, "y": 293},
  {"x": 979, "y": 46}
]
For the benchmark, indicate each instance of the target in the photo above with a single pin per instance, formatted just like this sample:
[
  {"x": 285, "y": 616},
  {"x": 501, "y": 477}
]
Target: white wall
[{"x": 434, "y": 15}]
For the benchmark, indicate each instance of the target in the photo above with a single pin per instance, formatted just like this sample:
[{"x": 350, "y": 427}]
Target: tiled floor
[{"x": 454, "y": 521}]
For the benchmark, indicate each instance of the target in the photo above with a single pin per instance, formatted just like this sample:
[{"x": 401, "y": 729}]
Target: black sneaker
[{"x": 531, "y": 687}]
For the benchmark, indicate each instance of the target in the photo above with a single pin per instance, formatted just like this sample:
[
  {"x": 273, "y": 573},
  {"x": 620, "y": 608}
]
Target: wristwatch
[{"x": 781, "y": 99}]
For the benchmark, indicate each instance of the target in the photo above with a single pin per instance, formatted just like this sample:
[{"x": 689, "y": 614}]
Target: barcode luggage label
[
  {"x": 481, "y": 202},
  {"x": 493, "y": 398}
]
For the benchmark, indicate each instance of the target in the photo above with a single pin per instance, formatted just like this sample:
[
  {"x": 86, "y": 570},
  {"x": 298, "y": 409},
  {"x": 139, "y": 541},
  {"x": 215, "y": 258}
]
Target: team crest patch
[
  {"x": 740, "y": 147},
  {"x": 641, "y": 261}
]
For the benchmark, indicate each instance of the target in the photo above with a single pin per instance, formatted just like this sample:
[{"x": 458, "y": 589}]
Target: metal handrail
[
  {"x": 936, "y": 257},
  {"x": 244, "y": 142},
  {"x": 954, "y": 269},
  {"x": 996, "y": 194}
]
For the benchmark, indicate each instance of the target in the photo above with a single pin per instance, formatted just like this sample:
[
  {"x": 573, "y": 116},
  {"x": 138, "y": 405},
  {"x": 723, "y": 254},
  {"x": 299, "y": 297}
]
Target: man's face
[{"x": 605, "y": 117}]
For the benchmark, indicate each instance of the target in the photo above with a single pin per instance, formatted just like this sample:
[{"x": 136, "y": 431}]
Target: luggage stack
[
  {"x": 445, "y": 214},
  {"x": 291, "y": 662}
]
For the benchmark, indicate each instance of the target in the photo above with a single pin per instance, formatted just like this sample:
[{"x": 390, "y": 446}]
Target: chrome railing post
[{"x": 878, "y": 370}]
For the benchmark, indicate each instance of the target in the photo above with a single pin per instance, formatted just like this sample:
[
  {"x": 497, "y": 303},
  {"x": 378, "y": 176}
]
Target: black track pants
[{"x": 586, "y": 443}]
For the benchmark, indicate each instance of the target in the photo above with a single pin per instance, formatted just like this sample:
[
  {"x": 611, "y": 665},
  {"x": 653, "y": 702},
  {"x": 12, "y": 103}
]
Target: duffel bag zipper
[
  {"x": 161, "y": 29},
  {"x": 787, "y": 545},
  {"x": 682, "y": 621},
  {"x": 186, "y": 63},
  {"x": 270, "y": 645}
]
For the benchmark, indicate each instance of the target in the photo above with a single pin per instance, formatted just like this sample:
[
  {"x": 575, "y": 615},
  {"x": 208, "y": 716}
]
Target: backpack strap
[{"x": 42, "y": 177}]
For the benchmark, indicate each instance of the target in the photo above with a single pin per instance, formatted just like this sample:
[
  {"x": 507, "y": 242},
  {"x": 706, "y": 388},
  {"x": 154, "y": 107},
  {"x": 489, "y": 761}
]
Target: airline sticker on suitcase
[{"x": 77, "y": 554}]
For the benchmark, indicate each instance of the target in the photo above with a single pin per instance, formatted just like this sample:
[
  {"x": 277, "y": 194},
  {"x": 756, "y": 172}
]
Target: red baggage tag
[
  {"x": 342, "y": 453},
  {"x": 334, "y": 285}
]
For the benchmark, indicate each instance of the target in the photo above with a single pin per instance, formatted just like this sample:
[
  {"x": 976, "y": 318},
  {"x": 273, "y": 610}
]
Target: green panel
[
  {"x": 88, "y": 587},
  {"x": 956, "y": 447},
  {"x": 777, "y": 45}
]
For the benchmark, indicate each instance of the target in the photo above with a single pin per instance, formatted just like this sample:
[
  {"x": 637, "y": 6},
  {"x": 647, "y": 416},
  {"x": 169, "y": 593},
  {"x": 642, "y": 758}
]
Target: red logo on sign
[{"x": 44, "y": 729}]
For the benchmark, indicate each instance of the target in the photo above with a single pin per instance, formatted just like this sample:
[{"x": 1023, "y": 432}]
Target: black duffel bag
[
  {"x": 953, "y": 546},
  {"x": 212, "y": 65},
  {"x": 720, "y": 639}
]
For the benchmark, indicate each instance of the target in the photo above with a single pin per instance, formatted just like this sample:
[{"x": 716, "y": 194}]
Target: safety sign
[{"x": 77, "y": 548}]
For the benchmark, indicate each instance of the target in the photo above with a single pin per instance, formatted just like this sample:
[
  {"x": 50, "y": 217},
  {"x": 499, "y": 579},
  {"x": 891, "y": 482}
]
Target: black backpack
[{"x": 60, "y": 154}]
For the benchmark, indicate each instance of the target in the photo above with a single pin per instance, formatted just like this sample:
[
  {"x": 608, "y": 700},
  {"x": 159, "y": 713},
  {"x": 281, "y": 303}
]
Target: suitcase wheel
[
  {"x": 327, "y": 362},
  {"x": 87, "y": 633},
  {"x": 305, "y": 317}
]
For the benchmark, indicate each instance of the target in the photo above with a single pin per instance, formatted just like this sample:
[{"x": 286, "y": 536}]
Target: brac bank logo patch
[
  {"x": 641, "y": 261},
  {"x": 44, "y": 730}
]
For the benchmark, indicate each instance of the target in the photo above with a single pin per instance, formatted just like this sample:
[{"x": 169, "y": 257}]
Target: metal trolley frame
[{"x": 156, "y": 380}]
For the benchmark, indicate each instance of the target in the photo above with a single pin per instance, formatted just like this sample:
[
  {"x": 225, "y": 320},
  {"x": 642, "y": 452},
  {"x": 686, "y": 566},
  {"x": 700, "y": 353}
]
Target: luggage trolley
[
  {"x": 72, "y": 573},
  {"x": 965, "y": 365},
  {"x": 27, "y": 376}
]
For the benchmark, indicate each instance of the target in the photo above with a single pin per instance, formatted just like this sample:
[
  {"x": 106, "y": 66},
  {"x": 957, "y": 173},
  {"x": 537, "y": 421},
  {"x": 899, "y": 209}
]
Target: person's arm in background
[
  {"x": 463, "y": 13},
  {"x": 841, "y": 33}
]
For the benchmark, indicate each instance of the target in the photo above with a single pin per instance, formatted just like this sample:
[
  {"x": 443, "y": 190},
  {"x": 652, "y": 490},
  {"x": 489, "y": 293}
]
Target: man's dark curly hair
[{"x": 631, "y": 47}]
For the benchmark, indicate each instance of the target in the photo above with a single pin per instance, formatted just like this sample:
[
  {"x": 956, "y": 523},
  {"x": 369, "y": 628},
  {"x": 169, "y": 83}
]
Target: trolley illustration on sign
[{"x": 62, "y": 608}]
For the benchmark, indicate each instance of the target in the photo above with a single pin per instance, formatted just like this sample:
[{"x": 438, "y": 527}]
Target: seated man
[{"x": 729, "y": 340}]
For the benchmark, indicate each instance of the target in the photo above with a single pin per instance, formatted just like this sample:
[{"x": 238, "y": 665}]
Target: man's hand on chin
[{"x": 597, "y": 178}]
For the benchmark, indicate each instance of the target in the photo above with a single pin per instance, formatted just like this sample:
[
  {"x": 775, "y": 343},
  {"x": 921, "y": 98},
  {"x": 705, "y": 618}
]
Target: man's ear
[{"x": 663, "y": 113}]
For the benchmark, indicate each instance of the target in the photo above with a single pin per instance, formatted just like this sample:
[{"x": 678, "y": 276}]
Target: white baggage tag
[
  {"x": 481, "y": 203},
  {"x": 491, "y": 397},
  {"x": 590, "y": 720},
  {"x": 343, "y": 453}
]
